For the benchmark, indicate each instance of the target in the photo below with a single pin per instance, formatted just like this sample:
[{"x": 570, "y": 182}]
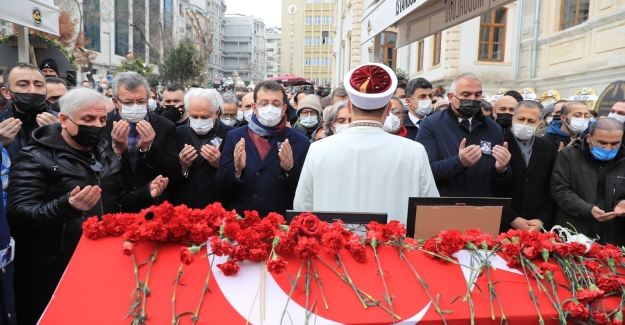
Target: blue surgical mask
[
  {"x": 592, "y": 120},
  {"x": 603, "y": 154}
]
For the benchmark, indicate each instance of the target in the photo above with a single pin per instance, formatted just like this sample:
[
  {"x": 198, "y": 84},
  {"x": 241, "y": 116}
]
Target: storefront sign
[
  {"x": 612, "y": 94},
  {"x": 292, "y": 9}
]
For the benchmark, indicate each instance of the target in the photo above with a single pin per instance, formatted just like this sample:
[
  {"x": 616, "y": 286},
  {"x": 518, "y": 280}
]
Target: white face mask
[
  {"x": 133, "y": 113},
  {"x": 269, "y": 115},
  {"x": 549, "y": 120},
  {"x": 201, "y": 127},
  {"x": 240, "y": 116},
  {"x": 391, "y": 124},
  {"x": 151, "y": 104},
  {"x": 403, "y": 102},
  {"x": 340, "y": 128},
  {"x": 617, "y": 117},
  {"x": 308, "y": 121},
  {"x": 105, "y": 86},
  {"x": 228, "y": 121},
  {"x": 578, "y": 125},
  {"x": 425, "y": 108},
  {"x": 247, "y": 115},
  {"x": 523, "y": 131}
]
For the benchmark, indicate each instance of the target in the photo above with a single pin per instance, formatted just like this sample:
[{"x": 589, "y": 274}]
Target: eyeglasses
[
  {"x": 308, "y": 112},
  {"x": 230, "y": 116},
  {"x": 130, "y": 102}
]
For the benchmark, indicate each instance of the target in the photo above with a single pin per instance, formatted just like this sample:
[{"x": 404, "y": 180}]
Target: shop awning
[
  {"x": 417, "y": 19},
  {"x": 34, "y": 14}
]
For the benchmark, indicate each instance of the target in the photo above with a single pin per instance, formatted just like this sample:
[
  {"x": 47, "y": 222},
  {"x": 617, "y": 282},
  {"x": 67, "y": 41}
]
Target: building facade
[
  {"x": 347, "y": 51},
  {"x": 308, "y": 28},
  {"x": 573, "y": 48},
  {"x": 273, "y": 49},
  {"x": 244, "y": 48}
]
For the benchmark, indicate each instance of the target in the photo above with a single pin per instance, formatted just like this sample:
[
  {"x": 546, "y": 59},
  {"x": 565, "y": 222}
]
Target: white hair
[
  {"x": 80, "y": 98},
  {"x": 217, "y": 103},
  {"x": 130, "y": 81},
  {"x": 333, "y": 115},
  {"x": 466, "y": 75}
]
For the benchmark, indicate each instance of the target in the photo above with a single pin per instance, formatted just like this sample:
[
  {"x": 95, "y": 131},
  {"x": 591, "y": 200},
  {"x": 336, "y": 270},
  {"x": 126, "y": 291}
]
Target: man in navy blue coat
[
  {"x": 261, "y": 162},
  {"x": 7, "y": 296},
  {"x": 467, "y": 152}
]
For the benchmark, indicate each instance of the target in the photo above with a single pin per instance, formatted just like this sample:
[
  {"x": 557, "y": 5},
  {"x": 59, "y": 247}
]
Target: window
[
  {"x": 317, "y": 40},
  {"x": 315, "y": 62},
  {"x": 307, "y": 61},
  {"x": 420, "y": 51},
  {"x": 437, "y": 48},
  {"x": 91, "y": 22},
  {"x": 121, "y": 25},
  {"x": 317, "y": 1},
  {"x": 317, "y": 20},
  {"x": 308, "y": 1},
  {"x": 325, "y": 38},
  {"x": 387, "y": 48},
  {"x": 269, "y": 75},
  {"x": 326, "y": 20},
  {"x": 573, "y": 12},
  {"x": 331, "y": 61},
  {"x": 308, "y": 20},
  {"x": 492, "y": 35},
  {"x": 324, "y": 62},
  {"x": 269, "y": 41},
  {"x": 308, "y": 39}
]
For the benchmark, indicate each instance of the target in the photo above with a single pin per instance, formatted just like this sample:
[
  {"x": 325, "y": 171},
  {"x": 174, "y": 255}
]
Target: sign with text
[
  {"x": 376, "y": 19},
  {"x": 421, "y": 24},
  {"x": 34, "y": 14},
  {"x": 612, "y": 94}
]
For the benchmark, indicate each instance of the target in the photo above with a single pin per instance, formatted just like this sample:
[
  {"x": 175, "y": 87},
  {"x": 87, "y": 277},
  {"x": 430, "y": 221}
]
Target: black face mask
[
  {"x": 29, "y": 103},
  {"x": 556, "y": 118},
  {"x": 469, "y": 107},
  {"x": 3, "y": 101},
  {"x": 504, "y": 120},
  {"x": 87, "y": 136},
  {"x": 172, "y": 113}
]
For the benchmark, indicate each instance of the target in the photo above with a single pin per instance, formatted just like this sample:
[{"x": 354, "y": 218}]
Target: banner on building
[{"x": 34, "y": 14}]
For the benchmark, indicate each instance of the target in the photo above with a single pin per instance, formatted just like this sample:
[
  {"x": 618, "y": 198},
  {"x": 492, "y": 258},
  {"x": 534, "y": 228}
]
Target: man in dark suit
[
  {"x": 200, "y": 145},
  {"x": 419, "y": 102},
  {"x": 143, "y": 142},
  {"x": 531, "y": 164},
  {"x": 262, "y": 162}
]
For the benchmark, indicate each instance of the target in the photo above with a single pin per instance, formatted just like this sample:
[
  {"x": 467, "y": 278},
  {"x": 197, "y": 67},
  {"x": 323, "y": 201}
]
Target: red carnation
[
  {"x": 358, "y": 251},
  {"x": 609, "y": 251},
  {"x": 562, "y": 250},
  {"x": 511, "y": 252},
  {"x": 310, "y": 225},
  {"x": 394, "y": 229},
  {"x": 286, "y": 245},
  {"x": 92, "y": 228},
  {"x": 276, "y": 265},
  {"x": 257, "y": 254},
  {"x": 575, "y": 310},
  {"x": 577, "y": 249},
  {"x": 333, "y": 241},
  {"x": 274, "y": 219},
  {"x": 409, "y": 241},
  {"x": 111, "y": 223},
  {"x": 200, "y": 233},
  {"x": 530, "y": 252},
  {"x": 186, "y": 256},
  {"x": 231, "y": 230},
  {"x": 220, "y": 247},
  {"x": 548, "y": 267},
  {"x": 229, "y": 268},
  {"x": 592, "y": 265},
  {"x": 133, "y": 234},
  {"x": 608, "y": 283},
  {"x": 600, "y": 318},
  {"x": 251, "y": 218},
  {"x": 154, "y": 230},
  {"x": 177, "y": 228},
  {"x": 589, "y": 295},
  {"x": 594, "y": 251},
  {"x": 127, "y": 248},
  {"x": 307, "y": 248}
]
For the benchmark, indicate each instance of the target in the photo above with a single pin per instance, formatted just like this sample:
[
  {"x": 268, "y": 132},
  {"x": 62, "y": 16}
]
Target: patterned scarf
[
  {"x": 4, "y": 175},
  {"x": 264, "y": 137}
]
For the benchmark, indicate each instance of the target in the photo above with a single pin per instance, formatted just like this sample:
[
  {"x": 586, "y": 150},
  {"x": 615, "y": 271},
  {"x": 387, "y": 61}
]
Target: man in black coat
[
  {"x": 531, "y": 164},
  {"x": 143, "y": 142},
  {"x": 200, "y": 146},
  {"x": 66, "y": 175},
  {"x": 467, "y": 153},
  {"x": 419, "y": 102}
]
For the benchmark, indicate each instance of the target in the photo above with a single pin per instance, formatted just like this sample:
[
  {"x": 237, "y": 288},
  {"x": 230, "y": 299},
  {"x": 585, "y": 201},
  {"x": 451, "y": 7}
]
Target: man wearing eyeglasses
[
  {"x": 144, "y": 142},
  {"x": 67, "y": 174},
  {"x": 454, "y": 140}
]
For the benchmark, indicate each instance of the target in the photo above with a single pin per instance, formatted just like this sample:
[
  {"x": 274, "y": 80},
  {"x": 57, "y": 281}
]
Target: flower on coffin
[
  {"x": 589, "y": 295},
  {"x": 576, "y": 310}
]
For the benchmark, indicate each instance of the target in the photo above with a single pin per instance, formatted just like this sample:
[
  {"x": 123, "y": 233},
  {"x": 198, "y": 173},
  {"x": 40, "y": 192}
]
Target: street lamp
[{"x": 110, "y": 67}]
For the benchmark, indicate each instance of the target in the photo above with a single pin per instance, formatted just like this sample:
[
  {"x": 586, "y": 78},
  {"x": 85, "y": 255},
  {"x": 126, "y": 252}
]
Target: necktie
[
  {"x": 466, "y": 124},
  {"x": 419, "y": 123}
]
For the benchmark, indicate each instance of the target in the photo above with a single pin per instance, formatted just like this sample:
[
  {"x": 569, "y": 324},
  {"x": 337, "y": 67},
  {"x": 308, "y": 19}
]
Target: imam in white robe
[{"x": 364, "y": 169}]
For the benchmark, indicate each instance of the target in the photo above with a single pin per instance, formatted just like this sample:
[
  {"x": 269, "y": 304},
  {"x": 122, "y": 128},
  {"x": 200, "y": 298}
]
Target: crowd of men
[{"x": 366, "y": 147}]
